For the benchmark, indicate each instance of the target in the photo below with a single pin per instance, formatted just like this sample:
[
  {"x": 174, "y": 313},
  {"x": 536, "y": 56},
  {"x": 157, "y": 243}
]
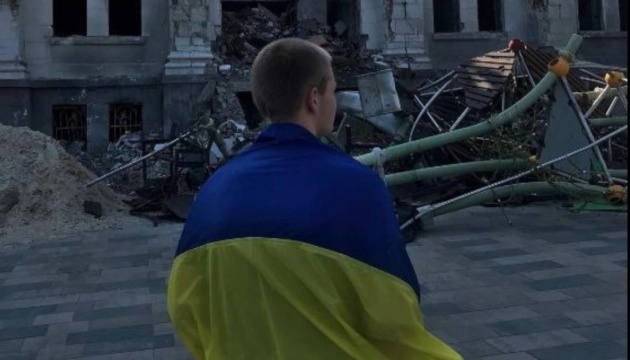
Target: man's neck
[{"x": 308, "y": 125}]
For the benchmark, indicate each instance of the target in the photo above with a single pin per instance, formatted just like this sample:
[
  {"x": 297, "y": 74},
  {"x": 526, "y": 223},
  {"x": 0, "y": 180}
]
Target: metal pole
[
  {"x": 459, "y": 119},
  {"x": 612, "y": 106},
  {"x": 445, "y": 92},
  {"x": 422, "y": 106},
  {"x": 623, "y": 100},
  {"x": 426, "y": 108},
  {"x": 131, "y": 164},
  {"x": 593, "y": 80},
  {"x": 431, "y": 208},
  {"x": 595, "y": 76},
  {"x": 610, "y": 151},
  {"x": 434, "y": 83},
  {"x": 529, "y": 74},
  {"x": 597, "y": 101},
  {"x": 586, "y": 126},
  {"x": 341, "y": 124}
]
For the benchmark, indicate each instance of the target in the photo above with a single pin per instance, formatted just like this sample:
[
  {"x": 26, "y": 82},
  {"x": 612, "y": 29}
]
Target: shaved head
[{"x": 283, "y": 73}]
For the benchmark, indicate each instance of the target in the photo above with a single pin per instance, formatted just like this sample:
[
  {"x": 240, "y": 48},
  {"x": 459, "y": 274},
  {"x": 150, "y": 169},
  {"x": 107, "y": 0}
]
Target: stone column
[
  {"x": 468, "y": 16},
  {"x": 12, "y": 65},
  {"x": 98, "y": 18},
  {"x": 191, "y": 32},
  {"x": 612, "y": 18},
  {"x": 405, "y": 41}
]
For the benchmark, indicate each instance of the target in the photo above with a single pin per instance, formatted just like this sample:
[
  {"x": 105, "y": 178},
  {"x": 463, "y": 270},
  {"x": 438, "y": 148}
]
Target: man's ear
[{"x": 312, "y": 100}]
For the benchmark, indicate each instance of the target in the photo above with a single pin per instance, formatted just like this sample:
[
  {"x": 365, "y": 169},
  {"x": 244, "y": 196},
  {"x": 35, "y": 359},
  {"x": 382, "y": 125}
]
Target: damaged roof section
[{"x": 493, "y": 81}]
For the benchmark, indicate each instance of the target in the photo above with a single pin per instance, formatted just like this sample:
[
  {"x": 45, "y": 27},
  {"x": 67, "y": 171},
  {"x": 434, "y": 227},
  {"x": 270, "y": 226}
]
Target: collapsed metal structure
[{"x": 540, "y": 93}]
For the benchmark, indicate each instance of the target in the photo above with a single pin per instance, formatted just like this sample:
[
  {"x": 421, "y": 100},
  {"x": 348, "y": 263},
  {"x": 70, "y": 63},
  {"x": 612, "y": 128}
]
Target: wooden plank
[
  {"x": 481, "y": 84},
  {"x": 484, "y": 77},
  {"x": 493, "y": 80},
  {"x": 478, "y": 65},
  {"x": 483, "y": 93},
  {"x": 493, "y": 60},
  {"x": 476, "y": 105},
  {"x": 491, "y": 72},
  {"x": 507, "y": 54},
  {"x": 478, "y": 97}
]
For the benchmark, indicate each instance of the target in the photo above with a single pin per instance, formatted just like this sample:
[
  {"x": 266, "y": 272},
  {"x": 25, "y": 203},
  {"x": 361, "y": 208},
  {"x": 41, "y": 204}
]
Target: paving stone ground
[{"x": 553, "y": 285}]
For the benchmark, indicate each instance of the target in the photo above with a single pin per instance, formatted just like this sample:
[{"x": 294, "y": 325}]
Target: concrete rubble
[
  {"x": 246, "y": 31},
  {"x": 42, "y": 187}
]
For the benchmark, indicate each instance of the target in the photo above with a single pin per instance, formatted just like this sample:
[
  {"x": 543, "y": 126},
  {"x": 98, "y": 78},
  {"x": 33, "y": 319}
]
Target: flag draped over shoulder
[{"x": 292, "y": 251}]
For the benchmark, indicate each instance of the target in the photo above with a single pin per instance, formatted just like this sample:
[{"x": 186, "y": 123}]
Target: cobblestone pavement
[{"x": 551, "y": 286}]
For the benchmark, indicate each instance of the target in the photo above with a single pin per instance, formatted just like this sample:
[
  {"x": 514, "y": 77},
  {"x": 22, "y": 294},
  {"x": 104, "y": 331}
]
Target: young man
[{"x": 292, "y": 250}]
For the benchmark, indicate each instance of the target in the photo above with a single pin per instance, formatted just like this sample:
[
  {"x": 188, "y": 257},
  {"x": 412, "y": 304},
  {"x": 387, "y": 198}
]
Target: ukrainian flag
[{"x": 292, "y": 251}]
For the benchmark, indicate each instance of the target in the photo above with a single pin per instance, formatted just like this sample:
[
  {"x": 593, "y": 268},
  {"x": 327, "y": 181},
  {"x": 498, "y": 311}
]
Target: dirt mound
[{"x": 40, "y": 183}]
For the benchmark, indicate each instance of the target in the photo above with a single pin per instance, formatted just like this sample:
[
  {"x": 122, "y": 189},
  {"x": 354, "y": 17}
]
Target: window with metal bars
[
  {"x": 123, "y": 118},
  {"x": 70, "y": 122},
  {"x": 590, "y": 15},
  {"x": 446, "y": 17}
]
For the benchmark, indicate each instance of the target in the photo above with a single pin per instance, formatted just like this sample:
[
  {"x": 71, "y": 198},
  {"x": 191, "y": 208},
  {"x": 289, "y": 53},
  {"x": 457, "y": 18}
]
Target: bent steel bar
[
  {"x": 456, "y": 169},
  {"x": 611, "y": 121},
  {"x": 538, "y": 188},
  {"x": 432, "y": 208}
]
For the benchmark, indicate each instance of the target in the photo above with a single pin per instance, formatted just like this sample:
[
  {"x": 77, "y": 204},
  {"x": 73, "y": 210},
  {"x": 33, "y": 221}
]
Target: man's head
[{"x": 292, "y": 81}]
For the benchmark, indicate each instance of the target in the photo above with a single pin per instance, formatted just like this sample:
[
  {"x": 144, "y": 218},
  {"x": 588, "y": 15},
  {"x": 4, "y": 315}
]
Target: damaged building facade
[{"x": 90, "y": 70}]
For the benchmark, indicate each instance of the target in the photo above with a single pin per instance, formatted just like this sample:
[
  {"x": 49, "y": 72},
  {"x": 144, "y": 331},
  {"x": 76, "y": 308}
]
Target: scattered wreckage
[{"x": 503, "y": 127}]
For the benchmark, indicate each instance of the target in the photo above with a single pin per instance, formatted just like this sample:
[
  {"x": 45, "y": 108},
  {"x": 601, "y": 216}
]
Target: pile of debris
[
  {"x": 41, "y": 183},
  {"x": 127, "y": 149},
  {"x": 248, "y": 30}
]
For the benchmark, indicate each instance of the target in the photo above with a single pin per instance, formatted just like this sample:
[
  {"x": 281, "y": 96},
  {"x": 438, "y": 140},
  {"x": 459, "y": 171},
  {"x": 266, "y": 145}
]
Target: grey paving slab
[
  {"x": 533, "y": 325},
  {"x": 602, "y": 350},
  {"x": 551, "y": 286},
  {"x": 533, "y": 341}
]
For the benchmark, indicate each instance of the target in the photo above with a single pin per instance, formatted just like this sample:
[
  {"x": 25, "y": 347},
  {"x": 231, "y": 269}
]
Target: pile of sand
[{"x": 41, "y": 184}]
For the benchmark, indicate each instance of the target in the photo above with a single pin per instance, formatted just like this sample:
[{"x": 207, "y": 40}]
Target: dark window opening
[
  {"x": 282, "y": 12},
  {"x": 125, "y": 17},
  {"x": 123, "y": 118},
  {"x": 69, "y": 17},
  {"x": 623, "y": 15},
  {"x": 343, "y": 16},
  {"x": 590, "y": 15},
  {"x": 446, "y": 16},
  {"x": 70, "y": 123},
  {"x": 490, "y": 15}
]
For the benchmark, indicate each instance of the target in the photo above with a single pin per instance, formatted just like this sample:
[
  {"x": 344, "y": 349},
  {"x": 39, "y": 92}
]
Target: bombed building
[{"x": 91, "y": 71}]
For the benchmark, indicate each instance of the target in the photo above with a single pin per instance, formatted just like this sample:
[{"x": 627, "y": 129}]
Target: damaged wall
[
  {"x": 538, "y": 22},
  {"x": 193, "y": 26},
  {"x": 98, "y": 53},
  {"x": 14, "y": 92},
  {"x": 11, "y": 62},
  {"x": 98, "y": 99}
]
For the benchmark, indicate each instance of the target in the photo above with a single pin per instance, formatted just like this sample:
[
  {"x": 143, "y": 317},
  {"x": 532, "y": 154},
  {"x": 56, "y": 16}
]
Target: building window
[
  {"x": 70, "y": 122},
  {"x": 125, "y": 17},
  {"x": 623, "y": 15},
  {"x": 490, "y": 15},
  {"x": 590, "y": 15},
  {"x": 446, "y": 16},
  {"x": 69, "y": 17},
  {"x": 123, "y": 118}
]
